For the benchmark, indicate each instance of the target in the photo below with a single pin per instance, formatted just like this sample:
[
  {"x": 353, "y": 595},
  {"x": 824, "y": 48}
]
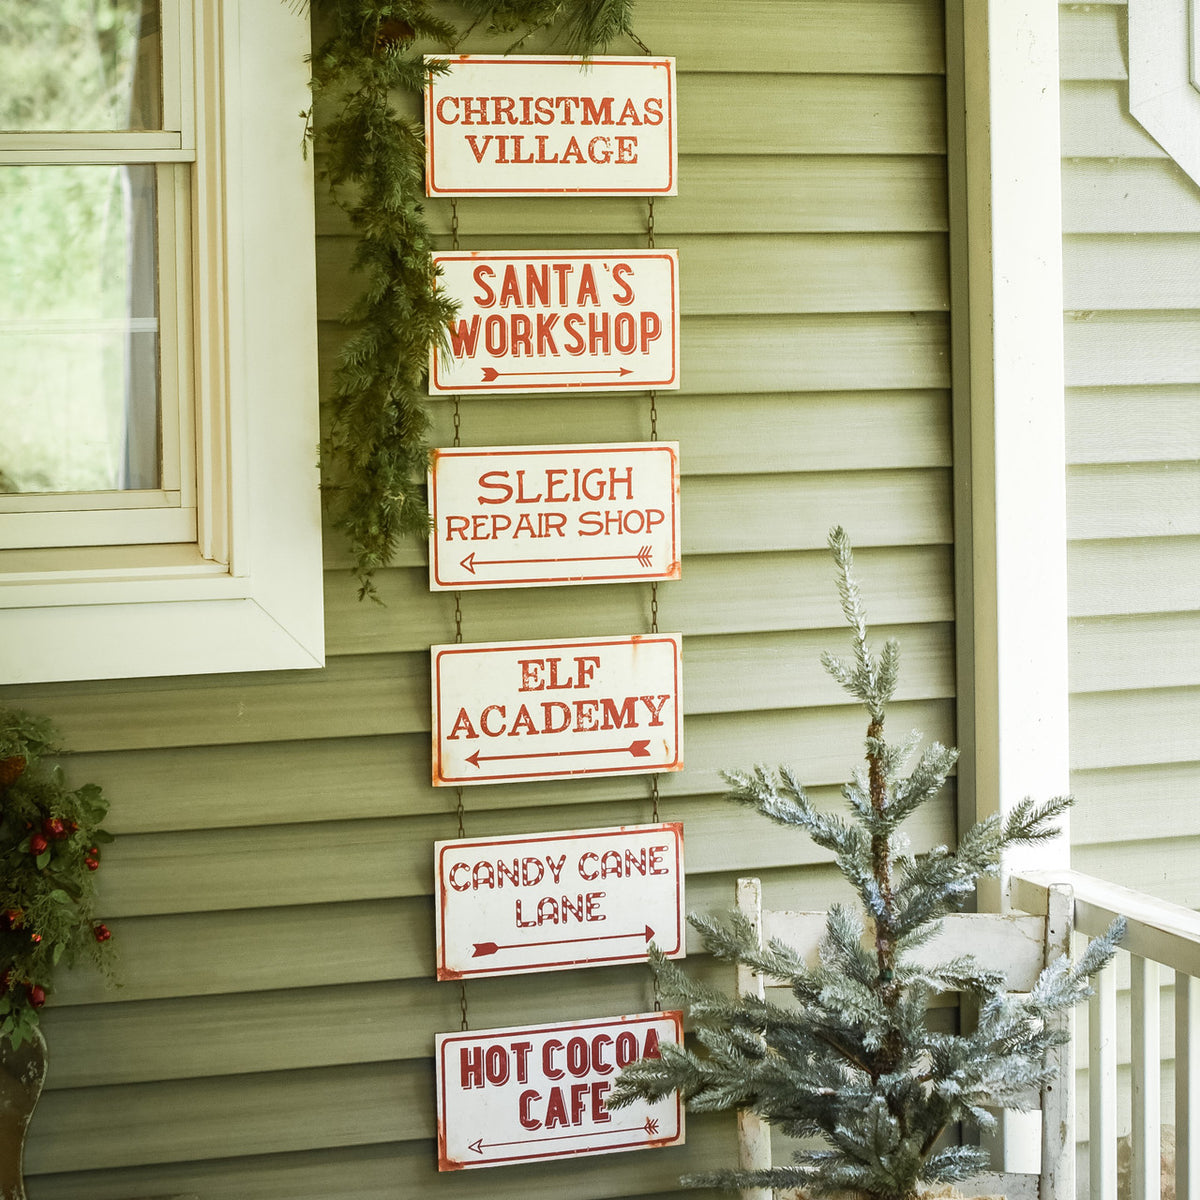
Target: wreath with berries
[{"x": 50, "y": 839}]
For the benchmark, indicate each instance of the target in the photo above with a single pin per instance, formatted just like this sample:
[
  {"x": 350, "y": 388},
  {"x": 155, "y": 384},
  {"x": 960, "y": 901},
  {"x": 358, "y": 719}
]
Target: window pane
[
  {"x": 80, "y": 65},
  {"x": 79, "y": 406}
]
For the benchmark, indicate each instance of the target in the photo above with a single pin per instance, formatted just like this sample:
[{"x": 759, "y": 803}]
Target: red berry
[
  {"x": 55, "y": 828},
  {"x": 102, "y": 932},
  {"x": 91, "y": 864},
  {"x": 35, "y": 938},
  {"x": 37, "y": 995},
  {"x": 14, "y": 918},
  {"x": 38, "y": 844},
  {"x": 72, "y": 826},
  {"x": 94, "y": 851}
]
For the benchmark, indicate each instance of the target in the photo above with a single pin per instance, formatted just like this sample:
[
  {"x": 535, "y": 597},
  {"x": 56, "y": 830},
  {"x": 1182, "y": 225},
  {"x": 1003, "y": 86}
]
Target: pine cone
[{"x": 11, "y": 769}]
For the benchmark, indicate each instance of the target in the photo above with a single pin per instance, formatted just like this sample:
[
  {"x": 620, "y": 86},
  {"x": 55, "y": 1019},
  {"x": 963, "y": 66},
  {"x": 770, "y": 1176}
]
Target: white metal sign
[
  {"x": 538, "y": 1092},
  {"x": 505, "y": 711},
  {"x": 532, "y": 516},
  {"x": 598, "y": 320},
  {"x": 554, "y": 901},
  {"x": 540, "y": 125}
]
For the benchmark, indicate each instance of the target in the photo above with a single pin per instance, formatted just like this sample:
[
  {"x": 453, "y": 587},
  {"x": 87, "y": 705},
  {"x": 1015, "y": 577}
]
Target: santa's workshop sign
[
  {"x": 554, "y": 901},
  {"x": 505, "y": 711},
  {"x": 550, "y": 125},
  {"x": 537, "y": 515},
  {"x": 597, "y": 320},
  {"x": 538, "y": 1092}
]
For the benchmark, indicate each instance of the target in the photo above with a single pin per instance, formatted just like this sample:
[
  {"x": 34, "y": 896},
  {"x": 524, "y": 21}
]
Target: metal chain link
[
  {"x": 460, "y": 809},
  {"x": 654, "y": 584}
]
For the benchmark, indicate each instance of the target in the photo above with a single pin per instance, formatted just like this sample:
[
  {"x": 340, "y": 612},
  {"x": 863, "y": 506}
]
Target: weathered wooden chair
[{"x": 1019, "y": 943}]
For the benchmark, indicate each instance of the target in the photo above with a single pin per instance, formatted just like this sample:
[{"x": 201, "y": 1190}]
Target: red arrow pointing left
[
  {"x": 649, "y": 1125},
  {"x": 483, "y": 949},
  {"x": 637, "y": 749}
]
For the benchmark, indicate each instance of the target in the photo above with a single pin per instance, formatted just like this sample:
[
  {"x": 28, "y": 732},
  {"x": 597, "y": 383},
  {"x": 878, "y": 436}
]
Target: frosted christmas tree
[{"x": 853, "y": 1060}]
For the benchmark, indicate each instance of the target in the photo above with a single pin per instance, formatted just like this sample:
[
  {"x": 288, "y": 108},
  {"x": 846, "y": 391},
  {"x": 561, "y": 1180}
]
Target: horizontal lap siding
[
  {"x": 271, "y": 887},
  {"x": 1131, "y": 253},
  {"x": 1131, "y": 248}
]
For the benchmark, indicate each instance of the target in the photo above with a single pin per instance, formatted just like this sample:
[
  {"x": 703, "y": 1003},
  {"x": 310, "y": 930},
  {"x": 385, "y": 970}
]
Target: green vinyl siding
[
  {"x": 271, "y": 887},
  {"x": 1131, "y": 249}
]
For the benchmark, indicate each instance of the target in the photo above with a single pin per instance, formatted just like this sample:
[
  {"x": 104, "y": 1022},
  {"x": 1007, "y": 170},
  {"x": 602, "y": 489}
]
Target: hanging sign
[
  {"x": 538, "y": 515},
  {"x": 504, "y": 712},
  {"x": 554, "y": 901},
  {"x": 537, "y": 1092},
  {"x": 513, "y": 125},
  {"x": 599, "y": 320}
]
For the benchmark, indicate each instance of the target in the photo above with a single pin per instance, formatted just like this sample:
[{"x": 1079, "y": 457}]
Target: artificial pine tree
[{"x": 853, "y": 1060}]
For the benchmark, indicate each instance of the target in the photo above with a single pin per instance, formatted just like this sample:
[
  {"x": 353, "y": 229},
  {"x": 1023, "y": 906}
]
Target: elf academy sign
[
  {"x": 538, "y": 1092},
  {"x": 600, "y": 320},
  {"x": 504, "y": 712},
  {"x": 546, "y": 125},
  {"x": 553, "y": 901},
  {"x": 530, "y": 516}
]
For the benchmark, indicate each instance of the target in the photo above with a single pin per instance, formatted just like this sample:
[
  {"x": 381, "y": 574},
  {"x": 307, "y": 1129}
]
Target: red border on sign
[
  {"x": 439, "y": 779},
  {"x": 560, "y": 452},
  {"x": 431, "y": 186},
  {"x": 450, "y": 1040},
  {"x": 438, "y": 387},
  {"x": 446, "y": 973}
]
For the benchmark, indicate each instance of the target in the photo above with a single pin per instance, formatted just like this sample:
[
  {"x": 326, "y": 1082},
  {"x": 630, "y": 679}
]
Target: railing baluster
[
  {"x": 1145, "y": 1067},
  {"x": 1102, "y": 1087},
  {"x": 1187, "y": 1079}
]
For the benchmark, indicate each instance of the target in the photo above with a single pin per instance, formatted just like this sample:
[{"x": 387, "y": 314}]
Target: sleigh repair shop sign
[
  {"x": 556, "y": 321},
  {"x": 505, "y": 712},
  {"x": 554, "y": 901},
  {"x": 538, "y": 1092},
  {"x": 540, "y": 515},
  {"x": 550, "y": 125}
]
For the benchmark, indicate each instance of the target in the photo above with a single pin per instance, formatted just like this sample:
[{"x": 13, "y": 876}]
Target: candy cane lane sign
[
  {"x": 504, "y": 711},
  {"x": 554, "y": 901},
  {"x": 532, "y": 516},
  {"x": 558, "y": 320},
  {"x": 550, "y": 125},
  {"x": 538, "y": 1092}
]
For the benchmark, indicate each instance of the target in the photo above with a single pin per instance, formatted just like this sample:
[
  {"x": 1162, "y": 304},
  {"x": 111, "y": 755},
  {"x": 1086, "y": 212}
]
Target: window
[{"x": 159, "y": 509}]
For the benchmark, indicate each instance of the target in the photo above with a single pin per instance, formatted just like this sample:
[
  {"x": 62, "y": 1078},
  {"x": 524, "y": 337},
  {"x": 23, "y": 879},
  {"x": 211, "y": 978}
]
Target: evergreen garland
[
  {"x": 50, "y": 840},
  {"x": 376, "y": 449},
  {"x": 853, "y": 1061}
]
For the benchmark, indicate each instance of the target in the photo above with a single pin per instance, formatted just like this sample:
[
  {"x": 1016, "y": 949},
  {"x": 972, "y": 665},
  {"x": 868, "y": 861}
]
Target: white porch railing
[{"x": 1160, "y": 935}]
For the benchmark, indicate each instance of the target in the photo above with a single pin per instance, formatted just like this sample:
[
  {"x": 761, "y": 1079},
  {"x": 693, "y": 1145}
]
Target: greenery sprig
[
  {"x": 50, "y": 839},
  {"x": 374, "y": 160}
]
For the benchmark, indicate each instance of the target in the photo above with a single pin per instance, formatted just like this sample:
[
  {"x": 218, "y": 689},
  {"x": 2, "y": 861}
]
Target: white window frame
[{"x": 246, "y": 594}]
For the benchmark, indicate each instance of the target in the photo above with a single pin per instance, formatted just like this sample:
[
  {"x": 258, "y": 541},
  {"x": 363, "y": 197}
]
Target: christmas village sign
[{"x": 561, "y": 321}]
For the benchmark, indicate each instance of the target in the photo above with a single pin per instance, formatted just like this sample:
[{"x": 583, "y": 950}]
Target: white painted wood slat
[
  {"x": 1102, "y": 1086},
  {"x": 1187, "y": 1086},
  {"x": 1145, "y": 1073}
]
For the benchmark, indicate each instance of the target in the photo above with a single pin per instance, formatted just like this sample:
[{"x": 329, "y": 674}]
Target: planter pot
[{"x": 22, "y": 1073}]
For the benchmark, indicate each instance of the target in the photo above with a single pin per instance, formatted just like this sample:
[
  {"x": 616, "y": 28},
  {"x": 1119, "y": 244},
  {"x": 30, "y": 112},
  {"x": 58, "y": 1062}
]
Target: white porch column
[{"x": 1007, "y": 317}]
